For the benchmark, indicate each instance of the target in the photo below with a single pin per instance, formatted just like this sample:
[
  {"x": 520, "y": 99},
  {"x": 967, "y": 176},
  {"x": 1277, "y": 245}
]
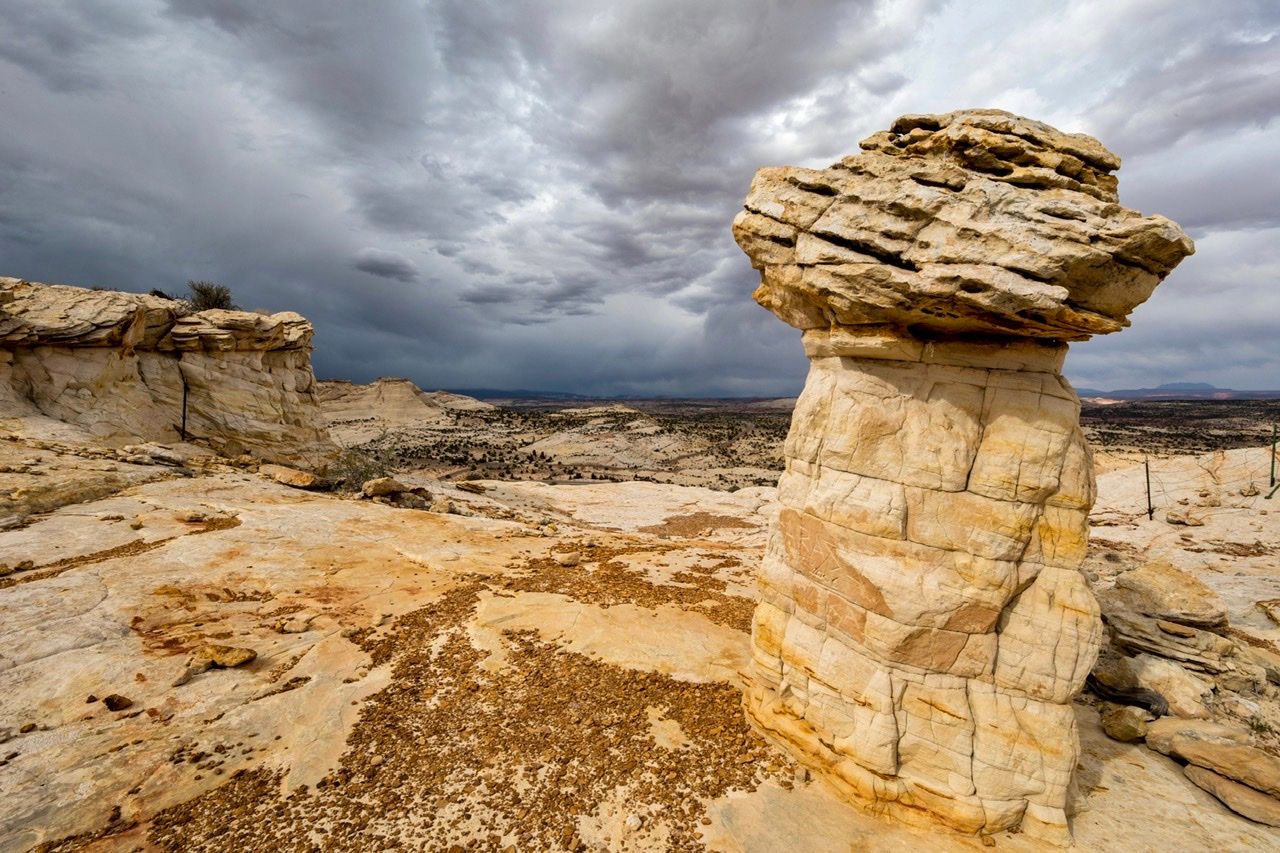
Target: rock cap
[{"x": 976, "y": 222}]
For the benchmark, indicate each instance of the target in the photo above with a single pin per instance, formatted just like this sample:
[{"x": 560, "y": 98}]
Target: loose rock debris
[{"x": 534, "y": 757}]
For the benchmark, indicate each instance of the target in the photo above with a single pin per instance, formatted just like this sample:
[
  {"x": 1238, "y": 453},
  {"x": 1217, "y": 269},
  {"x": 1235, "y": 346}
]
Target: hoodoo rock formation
[
  {"x": 117, "y": 365},
  {"x": 922, "y": 624}
]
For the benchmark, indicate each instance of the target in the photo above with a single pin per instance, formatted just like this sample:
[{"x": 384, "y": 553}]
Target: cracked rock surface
[{"x": 453, "y": 682}]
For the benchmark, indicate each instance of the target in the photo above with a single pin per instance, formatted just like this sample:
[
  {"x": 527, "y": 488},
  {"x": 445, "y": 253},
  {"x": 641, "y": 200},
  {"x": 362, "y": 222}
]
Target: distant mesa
[{"x": 1176, "y": 391}]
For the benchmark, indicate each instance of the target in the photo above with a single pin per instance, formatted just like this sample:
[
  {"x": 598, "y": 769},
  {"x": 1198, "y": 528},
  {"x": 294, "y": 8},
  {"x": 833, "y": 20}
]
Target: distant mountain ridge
[{"x": 1179, "y": 391}]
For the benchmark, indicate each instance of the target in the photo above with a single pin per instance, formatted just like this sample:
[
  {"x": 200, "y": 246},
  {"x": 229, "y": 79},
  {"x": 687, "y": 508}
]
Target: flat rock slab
[
  {"x": 380, "y": 582},
  {"x": 1165, "y": 592},
  {"x": 1241, "y": 799}
]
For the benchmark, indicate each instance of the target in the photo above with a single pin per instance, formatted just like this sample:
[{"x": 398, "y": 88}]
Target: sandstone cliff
[
  {"x": 923, "y": 625},
  {"x": 119, "y": 365}
]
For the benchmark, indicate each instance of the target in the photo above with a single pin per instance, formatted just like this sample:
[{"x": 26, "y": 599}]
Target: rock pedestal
[{"x": 922, "y": 625}]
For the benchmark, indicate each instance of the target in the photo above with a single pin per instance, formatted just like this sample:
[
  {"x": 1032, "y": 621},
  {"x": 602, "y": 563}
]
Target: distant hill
[
  {"x": 518, "y": 394},
  {"x": 1179, "y": 391}
]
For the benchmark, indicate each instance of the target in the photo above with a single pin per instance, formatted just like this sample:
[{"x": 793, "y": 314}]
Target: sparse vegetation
[
  {"x": 357, "y": 465},
  {"x": 1180, "y": 426},
  {"x": 723, "y": 445},
  {"x": 206, "y": 295}
]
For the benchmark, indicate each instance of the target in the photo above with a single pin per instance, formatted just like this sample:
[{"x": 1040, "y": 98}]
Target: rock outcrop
[
  {"x": 355, "y": 413},
  {"x": 119, "y": 364},
  {"x": 923, "y": 624}
]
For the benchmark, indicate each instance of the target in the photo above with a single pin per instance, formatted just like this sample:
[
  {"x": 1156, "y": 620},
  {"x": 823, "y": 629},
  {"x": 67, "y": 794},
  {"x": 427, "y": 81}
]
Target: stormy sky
[{"x": 537, "y": 193}]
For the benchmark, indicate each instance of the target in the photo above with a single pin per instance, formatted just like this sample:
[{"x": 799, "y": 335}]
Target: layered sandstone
[
  {"x": 923, "y": 624},
  {"x": 119, "y": 365}
]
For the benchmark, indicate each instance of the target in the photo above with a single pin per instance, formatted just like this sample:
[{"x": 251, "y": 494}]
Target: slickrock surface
[
  {"x": 1188, "y": 612},
  {"x": 923, "y": 623},
  {"x": 428, "y": 680},
  {"x": 115, "y": 364}
]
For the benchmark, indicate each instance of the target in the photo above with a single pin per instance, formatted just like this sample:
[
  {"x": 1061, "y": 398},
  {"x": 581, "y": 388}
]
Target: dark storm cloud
[
  {"x": 1199, "y": 72},
  {"x": 367, "y": 75},
  {"x": 386, "y": 264},
  {"x": 563, "y": 173}
]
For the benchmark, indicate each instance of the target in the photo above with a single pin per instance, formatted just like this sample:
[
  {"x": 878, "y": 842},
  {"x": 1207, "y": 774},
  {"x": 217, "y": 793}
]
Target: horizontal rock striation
[
  {"x": 969, "y": 222},
  {"x": 923, "y": 624},
  {"x": 117, "y": 365}
]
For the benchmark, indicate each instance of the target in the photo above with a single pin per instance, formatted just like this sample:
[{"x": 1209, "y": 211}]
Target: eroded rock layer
[
  {"x": 116, "y": 364},
  {"x": 923, "y": 624}
]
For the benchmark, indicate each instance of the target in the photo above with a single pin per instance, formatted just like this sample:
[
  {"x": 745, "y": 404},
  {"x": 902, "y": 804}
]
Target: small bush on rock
[
  {"x": 206, "y": 295},
  {"x": 356, "y": 466}
]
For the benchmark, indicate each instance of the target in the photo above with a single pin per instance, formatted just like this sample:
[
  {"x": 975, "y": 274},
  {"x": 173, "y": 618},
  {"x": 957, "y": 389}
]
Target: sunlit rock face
[
  {"x": 922, "y": 624},
  {"x": 116, "y": 364}
]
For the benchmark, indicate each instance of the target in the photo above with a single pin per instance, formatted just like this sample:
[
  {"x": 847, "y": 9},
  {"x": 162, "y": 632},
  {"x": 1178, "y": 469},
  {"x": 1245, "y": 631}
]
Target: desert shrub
[
  {"x": 206, "y": 295},
  {"x": 355, "y": 466}
]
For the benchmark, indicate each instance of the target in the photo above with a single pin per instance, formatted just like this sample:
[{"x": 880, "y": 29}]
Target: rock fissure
[{"x": 922, "y": 623}]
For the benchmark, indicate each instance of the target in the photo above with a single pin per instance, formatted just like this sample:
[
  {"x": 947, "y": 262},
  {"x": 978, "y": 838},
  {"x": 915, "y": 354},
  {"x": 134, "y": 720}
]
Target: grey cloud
[
  {"x": 365, "y": 75},
  {"x": 58, "y": 42},
  {"x": 1219, "y": 79},
  {"x": 385, "y": 264},
  {"x": 564, "y": 177}
]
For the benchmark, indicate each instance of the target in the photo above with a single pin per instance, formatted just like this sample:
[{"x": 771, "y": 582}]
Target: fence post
[
  {"x": 1151, "y": 510},
  {"x": 1273, "y": 454}
]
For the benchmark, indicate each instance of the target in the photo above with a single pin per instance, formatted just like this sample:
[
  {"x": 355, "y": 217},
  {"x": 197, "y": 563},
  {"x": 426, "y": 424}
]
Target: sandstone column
[{"x": 923, "y": 625}]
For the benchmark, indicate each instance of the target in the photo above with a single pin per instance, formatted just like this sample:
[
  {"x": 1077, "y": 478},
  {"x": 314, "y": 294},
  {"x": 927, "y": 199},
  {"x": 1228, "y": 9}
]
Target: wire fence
[{"x": 1170, "y": 482}]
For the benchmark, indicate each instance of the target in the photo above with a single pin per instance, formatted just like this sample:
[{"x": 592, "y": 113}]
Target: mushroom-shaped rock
[{"x": 923, "y": 624}]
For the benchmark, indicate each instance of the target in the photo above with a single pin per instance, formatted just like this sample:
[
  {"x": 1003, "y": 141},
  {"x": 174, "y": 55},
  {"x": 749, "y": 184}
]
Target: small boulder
[
  {"x": 116, "y": 702},
  {"x": 469, "y": 486},
  {"x": 383, "y": 487},
  {"x": 227, "y": 656},
  {"x": 288, "y": 476},
  {"x": 1167, "y": 593},
  {"x": 1125, "y": 723},
  {"x": 568, "y": 559},
  {"x": 214, "y": 656}
]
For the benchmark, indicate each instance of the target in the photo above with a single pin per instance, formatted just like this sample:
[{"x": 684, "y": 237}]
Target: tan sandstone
[
  {"x": 118, "y": 365},
  {"x": 923, "y": 624},
  {"x": 1241, "y": 799}
]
